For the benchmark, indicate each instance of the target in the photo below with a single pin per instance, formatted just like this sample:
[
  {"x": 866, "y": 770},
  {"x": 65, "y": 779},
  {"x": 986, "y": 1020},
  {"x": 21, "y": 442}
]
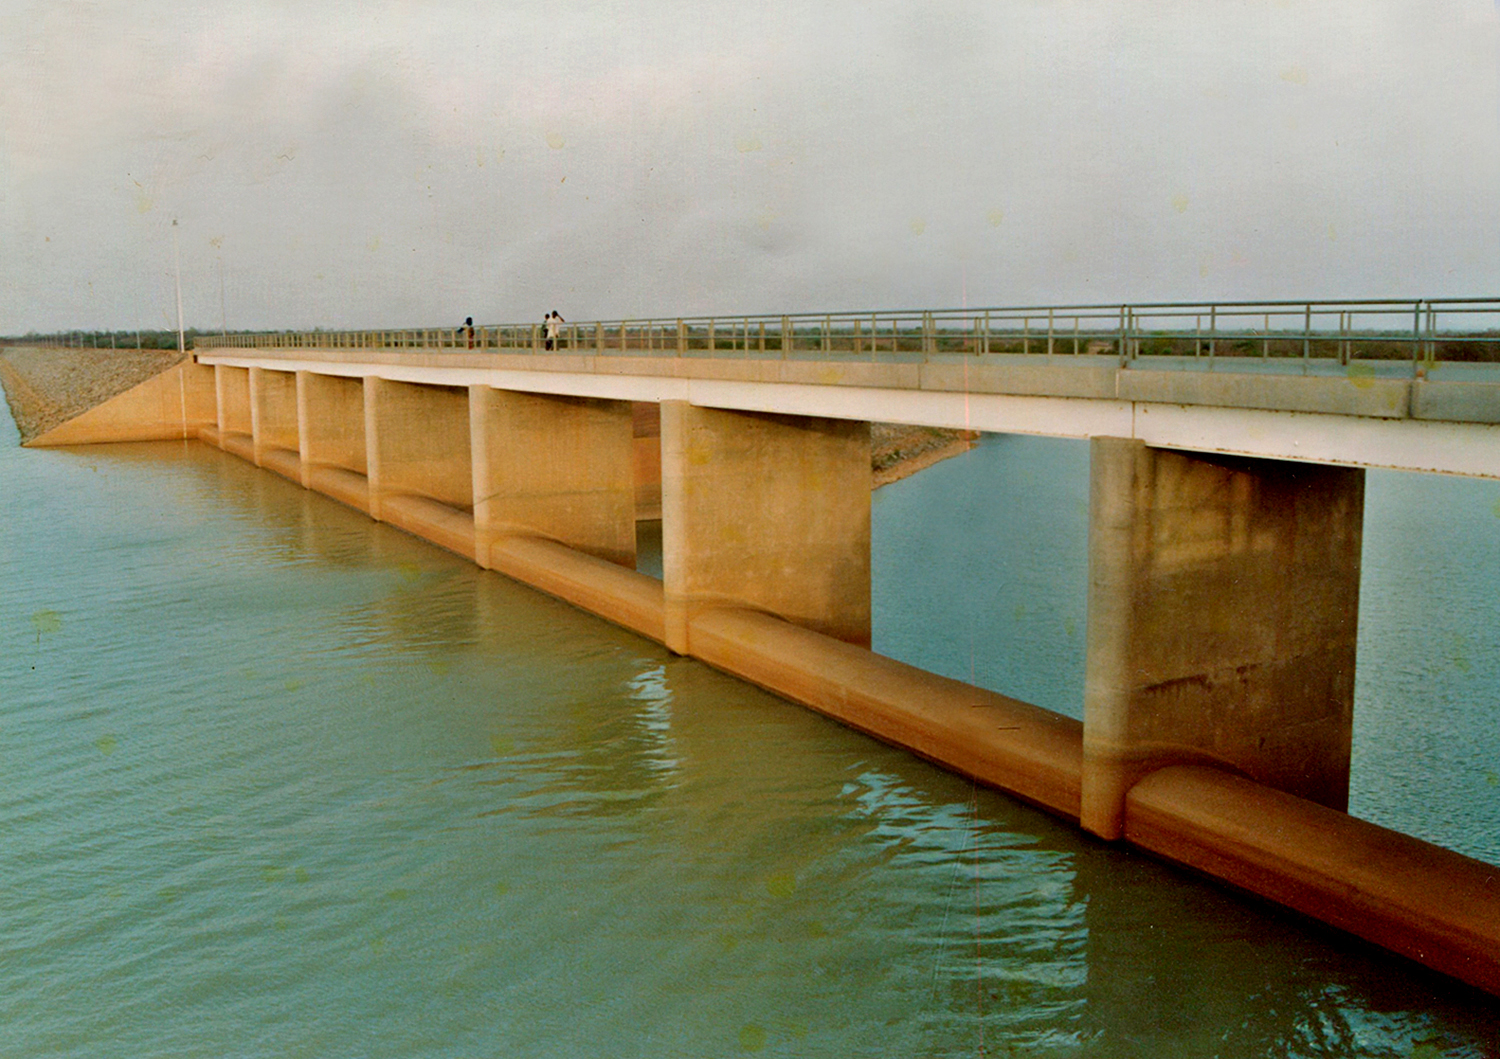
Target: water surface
[{"x": 281, "y": 781}]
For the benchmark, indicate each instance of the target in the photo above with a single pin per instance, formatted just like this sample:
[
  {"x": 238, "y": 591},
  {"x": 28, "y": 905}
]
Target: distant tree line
[{"x": 142, "y": 339}]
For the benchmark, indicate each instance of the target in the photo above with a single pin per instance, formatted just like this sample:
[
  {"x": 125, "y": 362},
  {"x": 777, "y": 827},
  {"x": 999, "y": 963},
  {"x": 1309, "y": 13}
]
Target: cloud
[{"x": 714, "y": 157}]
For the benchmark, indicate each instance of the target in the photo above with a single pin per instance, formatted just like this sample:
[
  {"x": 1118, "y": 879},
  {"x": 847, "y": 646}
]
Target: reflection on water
[{"x": 283, "y": 781}]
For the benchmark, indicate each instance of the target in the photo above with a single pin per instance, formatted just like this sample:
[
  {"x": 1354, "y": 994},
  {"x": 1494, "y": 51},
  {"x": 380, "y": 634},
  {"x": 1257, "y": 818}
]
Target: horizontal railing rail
[{"x": 1422, "y": 331}]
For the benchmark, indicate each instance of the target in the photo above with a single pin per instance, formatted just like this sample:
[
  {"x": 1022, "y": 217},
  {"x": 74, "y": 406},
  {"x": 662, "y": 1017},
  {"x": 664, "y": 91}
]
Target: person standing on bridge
[
  {"x": 468, "y": 328},
  {"x": 551, "y": 325}
]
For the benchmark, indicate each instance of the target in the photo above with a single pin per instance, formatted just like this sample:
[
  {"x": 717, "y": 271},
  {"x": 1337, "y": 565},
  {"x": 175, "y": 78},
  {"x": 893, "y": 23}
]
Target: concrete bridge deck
[{"x": 1363, "y": 417}]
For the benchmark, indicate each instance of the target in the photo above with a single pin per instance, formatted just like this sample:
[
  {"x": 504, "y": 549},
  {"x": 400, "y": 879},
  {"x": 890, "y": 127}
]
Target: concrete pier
[
  {"x": 769, "y": 512},
  {"x": 1223, "y": 609},
  {"x": 560, "y": 468}
]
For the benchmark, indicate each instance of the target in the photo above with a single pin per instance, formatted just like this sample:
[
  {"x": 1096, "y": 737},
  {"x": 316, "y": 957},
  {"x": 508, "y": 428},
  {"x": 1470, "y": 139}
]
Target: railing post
[
  {"x": 1213, "y": 328},
  {"x": 1306, "y": 337},
  {"x": 1265, "y": 339},
  {"x": 1416, "y": 335},
  {"x": 1049, "y": 334},
  {"x": 1124, "y": 351},
  {"x": 681, "y": 338},
  {"x": 786, "y": 336}
]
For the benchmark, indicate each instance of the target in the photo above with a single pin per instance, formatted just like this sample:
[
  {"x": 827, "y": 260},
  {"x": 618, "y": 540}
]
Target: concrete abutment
[{"x": 178, "y": 403}]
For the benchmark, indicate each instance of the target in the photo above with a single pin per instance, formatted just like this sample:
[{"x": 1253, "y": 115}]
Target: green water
[{"x": 280, "y": 781}]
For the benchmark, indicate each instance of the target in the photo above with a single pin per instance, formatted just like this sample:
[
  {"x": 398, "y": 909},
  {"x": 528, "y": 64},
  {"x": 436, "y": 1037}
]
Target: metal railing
[{"x": 1421, "y": 331}]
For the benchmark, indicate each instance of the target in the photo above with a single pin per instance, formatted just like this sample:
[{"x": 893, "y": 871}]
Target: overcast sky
[{"x": 387, "y": 164}]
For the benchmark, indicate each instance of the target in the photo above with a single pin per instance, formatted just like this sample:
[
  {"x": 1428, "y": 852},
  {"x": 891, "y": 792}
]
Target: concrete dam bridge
[{"x": 1228, "y": 451}]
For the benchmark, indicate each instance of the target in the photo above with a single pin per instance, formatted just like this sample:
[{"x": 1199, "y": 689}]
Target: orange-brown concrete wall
[
  {"x": 331, "y": 414},
  {"x": 598, "y": 586},
  {"x": 233, "y": 400},
  {"x": 201, "y": 385},
  {"x": 1412, "y": 897},
  {"x": 1223, "y": 607},
  {"x": 766, "y": 511},
  {"x": 273, "y": 411},
  {"x": 1023, "y": 749},
  {"x": 420, "y": 441}
]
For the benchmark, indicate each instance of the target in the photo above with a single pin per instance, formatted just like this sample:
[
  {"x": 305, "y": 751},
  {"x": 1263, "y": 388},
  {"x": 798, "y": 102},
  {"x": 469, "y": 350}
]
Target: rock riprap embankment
[
  {"x": 45, "y": 387},
  {"x": 897, "y": 450}
]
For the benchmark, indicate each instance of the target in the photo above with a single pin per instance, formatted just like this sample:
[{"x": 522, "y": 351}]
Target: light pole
[{"x": 177, "y": 265}]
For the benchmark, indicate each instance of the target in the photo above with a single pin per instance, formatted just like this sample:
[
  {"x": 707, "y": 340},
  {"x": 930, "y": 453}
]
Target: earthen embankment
[{"x": 45, "y": 387}]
